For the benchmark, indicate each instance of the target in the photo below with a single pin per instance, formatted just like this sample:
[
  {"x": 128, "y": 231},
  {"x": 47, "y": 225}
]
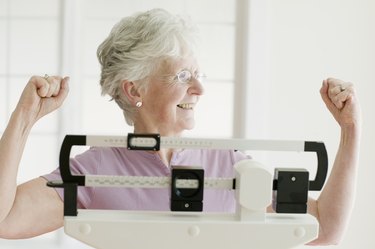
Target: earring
[{"x": 138, "y": 104}]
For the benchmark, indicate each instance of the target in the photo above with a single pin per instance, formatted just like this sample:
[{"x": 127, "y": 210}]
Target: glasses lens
[
  {"x": 201, "y": 77},
  {"x": 184, "y": 76}
]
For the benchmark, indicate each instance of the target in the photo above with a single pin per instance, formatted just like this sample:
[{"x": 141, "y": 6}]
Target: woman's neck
[
  {"x": 164, "y": 154},
  {"x": 156, "y": 130}
]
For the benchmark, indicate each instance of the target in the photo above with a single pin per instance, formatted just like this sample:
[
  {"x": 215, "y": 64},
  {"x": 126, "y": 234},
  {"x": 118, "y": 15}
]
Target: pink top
[{"x": 121, "y": 161}]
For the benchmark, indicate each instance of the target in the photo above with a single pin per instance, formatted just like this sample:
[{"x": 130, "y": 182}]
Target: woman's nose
[{"x": 196, "y": 87}]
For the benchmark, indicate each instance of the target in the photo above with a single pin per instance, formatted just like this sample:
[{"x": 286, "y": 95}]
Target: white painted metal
[
  {"x": 140, "y": 230},
  {"x": 198, "y": 143},
  {"x": 153, "y": 182},
  {"x": 249, "y": 227}
]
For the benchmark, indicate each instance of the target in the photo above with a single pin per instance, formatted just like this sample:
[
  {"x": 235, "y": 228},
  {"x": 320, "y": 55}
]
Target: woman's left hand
[{"x": 341, "y": 100}]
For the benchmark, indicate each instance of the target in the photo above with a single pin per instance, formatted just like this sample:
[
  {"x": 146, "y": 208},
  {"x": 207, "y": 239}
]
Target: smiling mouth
[{"x": 187, "y": 106}]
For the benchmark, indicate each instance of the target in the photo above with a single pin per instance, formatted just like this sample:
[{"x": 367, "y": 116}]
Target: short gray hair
[{"x": 135, "y": 47}]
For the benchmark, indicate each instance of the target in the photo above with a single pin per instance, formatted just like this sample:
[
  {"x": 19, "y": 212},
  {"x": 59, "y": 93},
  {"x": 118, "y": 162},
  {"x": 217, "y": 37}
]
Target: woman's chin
[{"x": 190, "y": 125}]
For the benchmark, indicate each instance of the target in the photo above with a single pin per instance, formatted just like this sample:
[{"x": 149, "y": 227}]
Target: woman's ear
[{"x": 130, "y": 92}]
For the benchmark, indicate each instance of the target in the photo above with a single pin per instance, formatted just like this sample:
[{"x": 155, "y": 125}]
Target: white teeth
[{"x": 186, "y": 106}]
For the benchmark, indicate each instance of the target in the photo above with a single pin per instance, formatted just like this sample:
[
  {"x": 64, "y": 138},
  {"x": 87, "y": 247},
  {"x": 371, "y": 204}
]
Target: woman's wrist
[
  {"x": 351, "y": 134},
  {"x": 22, "y": 119}
]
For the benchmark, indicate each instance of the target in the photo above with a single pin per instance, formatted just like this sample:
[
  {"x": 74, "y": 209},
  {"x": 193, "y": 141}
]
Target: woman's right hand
[{"x": 43, "y": 95}]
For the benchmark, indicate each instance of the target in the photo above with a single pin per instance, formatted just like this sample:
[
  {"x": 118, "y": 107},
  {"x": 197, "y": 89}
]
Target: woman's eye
[{"x": 184, "y": 76}]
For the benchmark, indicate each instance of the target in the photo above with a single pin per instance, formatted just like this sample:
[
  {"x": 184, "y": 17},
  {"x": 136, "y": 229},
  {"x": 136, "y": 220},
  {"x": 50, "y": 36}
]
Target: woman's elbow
[
  {"x": 12, "y": 231},
  {"x": 4, "y": 232},
  {"x": 326, "y": 239}
]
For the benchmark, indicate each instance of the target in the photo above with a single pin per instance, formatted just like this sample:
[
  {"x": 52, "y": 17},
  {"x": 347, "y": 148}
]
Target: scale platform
[{"x": 135, "y": 229}]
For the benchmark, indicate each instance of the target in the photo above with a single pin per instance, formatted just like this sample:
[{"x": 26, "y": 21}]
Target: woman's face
[{"x": 169, "y": 104}]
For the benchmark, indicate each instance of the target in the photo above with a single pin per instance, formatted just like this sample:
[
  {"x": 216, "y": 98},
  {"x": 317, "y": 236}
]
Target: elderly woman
[{"x": 149, "y": 69}]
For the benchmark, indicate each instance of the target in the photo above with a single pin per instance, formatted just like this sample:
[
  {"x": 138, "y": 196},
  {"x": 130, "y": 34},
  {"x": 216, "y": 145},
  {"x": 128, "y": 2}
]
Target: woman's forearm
[
  {"x": 12, "y": 144},
  {"x": 334, "y": 205}
]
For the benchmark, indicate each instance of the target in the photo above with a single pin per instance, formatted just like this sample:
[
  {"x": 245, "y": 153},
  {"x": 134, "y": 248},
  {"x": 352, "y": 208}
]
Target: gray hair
[{"x": 135, "y": 47}]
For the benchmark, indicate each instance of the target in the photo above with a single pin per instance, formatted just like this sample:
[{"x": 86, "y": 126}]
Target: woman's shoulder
[
  {"x": 108, "y": 153},
  {"x": 118, "y": 160},
  {"x": 93, "y": 158}
]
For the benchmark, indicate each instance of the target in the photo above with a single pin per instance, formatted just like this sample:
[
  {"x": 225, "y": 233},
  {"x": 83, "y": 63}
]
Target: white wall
[{"x": 298, "y": 43}]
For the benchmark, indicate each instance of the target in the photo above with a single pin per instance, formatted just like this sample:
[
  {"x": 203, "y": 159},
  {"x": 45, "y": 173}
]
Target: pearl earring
[{"x": 138, "y": 104}]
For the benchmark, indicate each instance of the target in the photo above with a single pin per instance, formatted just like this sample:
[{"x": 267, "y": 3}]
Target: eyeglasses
[{"x": 185, "y": 76}]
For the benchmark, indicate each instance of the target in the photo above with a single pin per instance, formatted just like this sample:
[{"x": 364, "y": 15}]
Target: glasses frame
[{"x": 182, "y": 79}]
